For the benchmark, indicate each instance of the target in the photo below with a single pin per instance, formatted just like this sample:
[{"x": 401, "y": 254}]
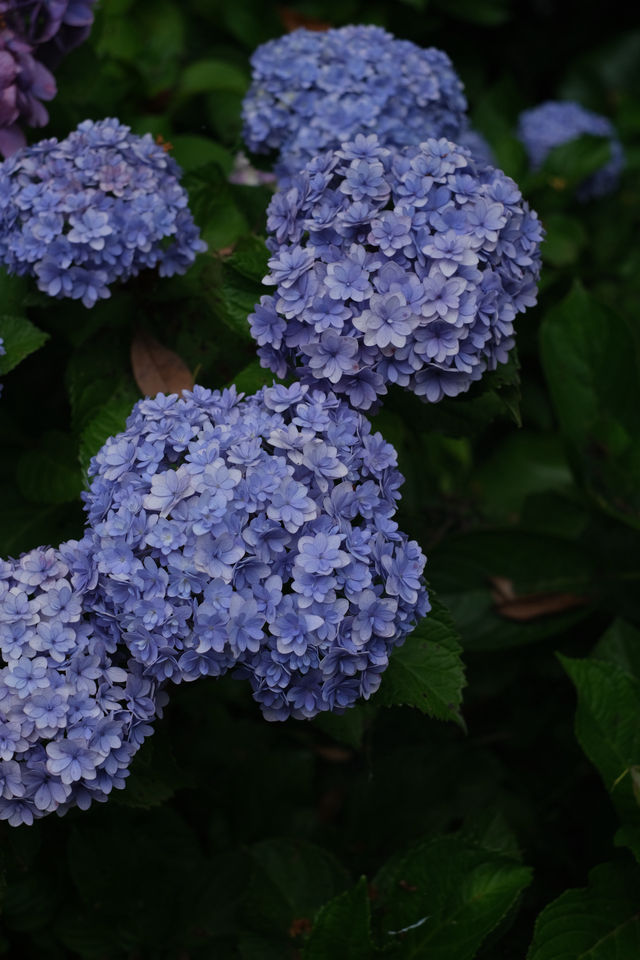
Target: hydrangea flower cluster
[
  {"x": 24, "y": 83},
  {"x": 312, "y": 90},
  {"x": 94, "y": 208},
  {"x": 255, "y": 534},
  {"x": 73, "y": 709},
  {"x": 54, "y": 26},
  {"x": 556, "y": 122},
  {"x": 404, "y": 267}
]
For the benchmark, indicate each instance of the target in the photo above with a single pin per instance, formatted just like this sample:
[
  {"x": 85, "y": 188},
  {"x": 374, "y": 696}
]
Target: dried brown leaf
[{"x": 156, "y": 368}]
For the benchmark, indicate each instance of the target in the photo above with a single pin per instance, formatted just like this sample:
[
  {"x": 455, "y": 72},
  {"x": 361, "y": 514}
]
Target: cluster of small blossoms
[
  {"x": 255, "y": 534},
  {"x": 313, "y": 90},
  {"x": 24, "y": 83},
  {"x": 404, "y": 267},
  {"x": 94, "y": 208},
  {"x": 73, "y": 709},
  {"x": 53, "y": 26},
  {"x": 553, "y": 123}
]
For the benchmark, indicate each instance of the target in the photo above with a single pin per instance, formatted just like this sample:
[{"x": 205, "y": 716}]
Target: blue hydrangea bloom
[
  {"x": 404, "y": 267},
  {"x": 556, "y": 122},
  {"x": 92, "y": 209},
  {"x": 312, "y": 90},
  {"x": 74, "y": 707},
  {"x": 256, "y": 534},
  {"x": 24, "y": 84},
  {"x": 53, "y": 26}
]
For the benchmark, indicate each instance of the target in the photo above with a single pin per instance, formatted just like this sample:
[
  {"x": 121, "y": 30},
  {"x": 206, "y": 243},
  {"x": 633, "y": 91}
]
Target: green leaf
[
  {"x": 252, "y": 377},
  {"x": 239, "y": 296},
  {"x": 291, "y": 881},
  {"x": 205, "y": 76},
  {"x": 608, "y": 727},
  {"x": 524, "y": 463},
  {"x": 574, "y": 161},
  {"x": 213, "y": 206},
  {"x": 249, "y": 258},
  {"x": 629, "y": 836},
  {"x": 598, "y": 922},
  {"x": 21, "y": 338},
  {"x": 620, "y": 645},
  {"x": 443, "y": 898},
  {"x": 590, "y": 359},
  {"x": 426, "y": 671},
  {"x": 342, "y": 928},
  {"x": 193, "y": 152},
  {"x": 461, "y": 569},
  {"x": 348, "y": 727},
  {"x": 49, "y": 472},
  {"x": 564, "y": 239}
]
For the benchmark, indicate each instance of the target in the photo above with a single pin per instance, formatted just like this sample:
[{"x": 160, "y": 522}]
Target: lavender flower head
[
  {"x": 54, "y": 26},
  {"x": 555, "y": 122},
  {"x": 24, "y": 83},
  {"x": 404, "y": 267},
  {"x": 312, "y": 90},
  {"x": 255, "y": 534},
  {"x": 93, "y": 209},
  {"x": 74, "y": 708}
]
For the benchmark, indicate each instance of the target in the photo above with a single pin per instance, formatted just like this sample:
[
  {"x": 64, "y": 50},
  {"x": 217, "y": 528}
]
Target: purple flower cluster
[
  {"x": 404, "y": 267},
  {"x": 556, "y": 122},
  {"x": 73, "y": 708},
  {"x": 94, "y": 208},
  {"x": 255, "y": 534},
  {"x": 313, "y": 90},
  {"x": 24, "y": 83},
  {"x": 53, "y": 26}
]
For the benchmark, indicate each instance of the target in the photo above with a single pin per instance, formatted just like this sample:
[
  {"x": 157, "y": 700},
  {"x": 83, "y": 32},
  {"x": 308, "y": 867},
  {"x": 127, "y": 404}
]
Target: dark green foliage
[{"x": 388, "y": 831}]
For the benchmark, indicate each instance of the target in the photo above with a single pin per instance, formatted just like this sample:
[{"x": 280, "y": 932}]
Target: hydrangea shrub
[
  {"x": 255, "y": 534},
  {"x": 556, "y": 122},
  {"x": 312, "y": 90},
  {"x": 95, "y": 208},
  {"x": 74, "y": 707},
  {"x": 404, "y": 267}
]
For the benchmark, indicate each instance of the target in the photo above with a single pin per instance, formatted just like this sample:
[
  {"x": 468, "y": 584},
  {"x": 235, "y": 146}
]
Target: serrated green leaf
[
  {"x": 620, "y": 645},
  {"x": 443, "y": 898},
  {"x": 427, "y": 671},
  {"x": 249, "y": 258},
  {"x": 21, "y": 338},
  {"x": 608, "y": 726},
  {"x": 342, "y": 928},
  {"x": 49, "y": 472},
  {"x": 239, "y": 297},
  {"x": 598, "y": 922}
]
